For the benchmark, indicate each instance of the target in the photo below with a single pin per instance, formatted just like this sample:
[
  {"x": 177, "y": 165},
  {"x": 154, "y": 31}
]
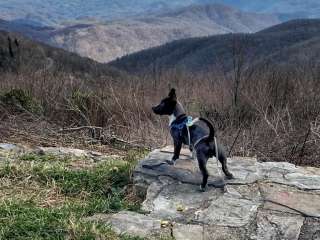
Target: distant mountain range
[
  {"x": 104, "y": 42},
  {"x": 53, "y": 12},
  {"x": 105, "y": 30},
  {"x": 20, "y": 54},
  {"x": 295, "y": 42},
  {"x": 286, "y": 9}
]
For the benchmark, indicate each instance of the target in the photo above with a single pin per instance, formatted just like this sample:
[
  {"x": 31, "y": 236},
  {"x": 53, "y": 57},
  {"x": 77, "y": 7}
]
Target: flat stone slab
[
  {"x": 245, "y": 171},
  {"x": 310, "y": 229},
  {"x": 179, "y": 201},
  {"x": 278, "y": 226},
  {"x": 12, "y": 148},
  {"x": 135, "y": 224},
  {"x": 306, "y": 203},
  {"x": 71, "y": 152},
  {"x": 131, "y": 223},
  {"x": 186, "y": 169},
  {"x": 265, "y": 201},
  {"x": 229, "y": 210},
  {"x": 187, "y": 232},
  {"x": 11, "y": 151},
  {"x": 212, "y": 232},
  {"x": 289, "y": 174},
  {"x": 8, "y": 146}
]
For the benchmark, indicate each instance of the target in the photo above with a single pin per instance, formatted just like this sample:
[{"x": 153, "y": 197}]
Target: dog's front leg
[
  {"x": 177, "y": 149},
  {"x": 176, "y": 154},
  {"x": 177, "y": 142}
]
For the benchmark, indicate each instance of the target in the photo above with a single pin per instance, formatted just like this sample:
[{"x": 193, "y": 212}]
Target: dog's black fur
[{"x": 204, "y": 149}]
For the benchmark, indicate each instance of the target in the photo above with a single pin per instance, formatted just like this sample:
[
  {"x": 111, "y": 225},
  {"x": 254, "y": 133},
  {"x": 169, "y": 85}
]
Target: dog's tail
[{"x": 211, "y": 136}]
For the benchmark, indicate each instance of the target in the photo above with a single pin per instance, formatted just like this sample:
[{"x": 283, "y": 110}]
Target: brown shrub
[{"x": 276, "y": 117}]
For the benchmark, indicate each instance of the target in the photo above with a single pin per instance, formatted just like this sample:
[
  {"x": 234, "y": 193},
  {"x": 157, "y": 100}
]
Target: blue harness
[
  {"x": 180, "y": 125},
  {"x": 186, "y": 122}
]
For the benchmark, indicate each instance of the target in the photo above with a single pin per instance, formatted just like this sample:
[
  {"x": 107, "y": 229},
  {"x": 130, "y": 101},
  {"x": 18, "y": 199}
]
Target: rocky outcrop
[
  {"x": 9, "y": 151},
  {"x": 265, "y": 201}
]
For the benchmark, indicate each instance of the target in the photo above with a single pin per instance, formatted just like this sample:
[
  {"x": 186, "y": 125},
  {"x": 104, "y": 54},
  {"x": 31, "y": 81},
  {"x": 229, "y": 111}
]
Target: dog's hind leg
[
  {"x": 202, "y": 161},
  {"x": 223, "y": 160}
]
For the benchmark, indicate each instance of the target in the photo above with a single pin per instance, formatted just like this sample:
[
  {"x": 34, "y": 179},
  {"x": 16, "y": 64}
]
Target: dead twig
[
  {"x": 79, "y": 128},
  {"x": 235, "y": 140},
  {"x": 114, "y": 140},
  {"x": 304, "y": 142}
]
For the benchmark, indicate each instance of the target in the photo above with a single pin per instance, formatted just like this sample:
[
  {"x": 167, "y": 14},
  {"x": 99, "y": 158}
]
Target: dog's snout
[{"x": 155, "y": 109}]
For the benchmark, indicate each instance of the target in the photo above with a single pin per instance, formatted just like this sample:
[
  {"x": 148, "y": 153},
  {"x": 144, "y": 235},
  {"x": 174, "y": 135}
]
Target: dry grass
[
  {"x": 44, "y": 197},
  {"x": 276, "y": 116},
  {"x": 31, "y": 191}
]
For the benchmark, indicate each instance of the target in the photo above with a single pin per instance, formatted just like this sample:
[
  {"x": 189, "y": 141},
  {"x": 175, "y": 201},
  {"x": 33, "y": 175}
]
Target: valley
[{"x": 104, "y": 42}]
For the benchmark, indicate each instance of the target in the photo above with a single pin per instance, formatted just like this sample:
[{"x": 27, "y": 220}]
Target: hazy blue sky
[{"x": 56, "y": 11}]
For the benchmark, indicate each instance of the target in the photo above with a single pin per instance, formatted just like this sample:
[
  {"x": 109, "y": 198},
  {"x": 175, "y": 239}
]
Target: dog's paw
[
  {"x": 170, "y": 162},
  {"x": 229, "y": 176},
  {"x": 203, "y": 189}
]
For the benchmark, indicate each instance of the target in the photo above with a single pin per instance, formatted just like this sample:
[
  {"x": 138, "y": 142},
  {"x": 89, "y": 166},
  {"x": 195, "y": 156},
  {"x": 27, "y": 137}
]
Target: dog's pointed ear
[{"x": 172, "y": 94}]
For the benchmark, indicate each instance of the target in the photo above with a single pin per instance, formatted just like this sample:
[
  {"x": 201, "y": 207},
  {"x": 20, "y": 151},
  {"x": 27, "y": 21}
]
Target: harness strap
[
  {"x": 179, "y": 122},
  {"x": 199, "y": 140},
  {"x": 189, "y": 138},
  {"x": 217, "y": 158},
  {"x": 192, "y": 148},
  {"x": 189, "y": 123}
]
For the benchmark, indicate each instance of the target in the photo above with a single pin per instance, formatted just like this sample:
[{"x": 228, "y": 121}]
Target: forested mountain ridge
[{"x": 198, "y": 54}]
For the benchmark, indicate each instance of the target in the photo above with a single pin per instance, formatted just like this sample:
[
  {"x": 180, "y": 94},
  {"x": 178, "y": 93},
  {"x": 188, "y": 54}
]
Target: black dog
[{"x": 195, "y": 137}]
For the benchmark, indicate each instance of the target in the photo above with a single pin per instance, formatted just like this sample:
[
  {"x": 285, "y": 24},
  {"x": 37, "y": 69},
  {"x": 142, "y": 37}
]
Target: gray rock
[
  {"x": 251, "y": 192},
  {"x": 274, "y": 170},
  {"x": 187, "y": 232},
  {"x": 213, "y": 232},
  {"x": 186, "y": 170},
  {"x": 153, "y": 192},
  {"x": 229, "y": 210},
  {"x": 302, "y": 181},
  {"x": 278, "y": 208},
  {"x": 306, "y": 203},
  {"x": 179, "y": 202},
  {"x": 13, "y": 148},
  {"x": 245, "y": 170},
  {"x": 131, "y": 223},
  {"x": 74, "y": 153},
  {"x": 310, "y": 229},
  {"x": 265, "y": 201},
  {"x": 61, "y": 151},
  {"x": 7, "y": 146},
  {"x": 274, "y": 226},
  {"x": 289, "y": 174}
]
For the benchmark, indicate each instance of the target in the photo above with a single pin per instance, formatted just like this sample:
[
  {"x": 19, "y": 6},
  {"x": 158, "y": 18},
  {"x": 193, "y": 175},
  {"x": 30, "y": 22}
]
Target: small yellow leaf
[
  {"x": 115, "y": 169},
  {"x": 180, "y": 208},
  {"x": 164, "y": 223}
]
